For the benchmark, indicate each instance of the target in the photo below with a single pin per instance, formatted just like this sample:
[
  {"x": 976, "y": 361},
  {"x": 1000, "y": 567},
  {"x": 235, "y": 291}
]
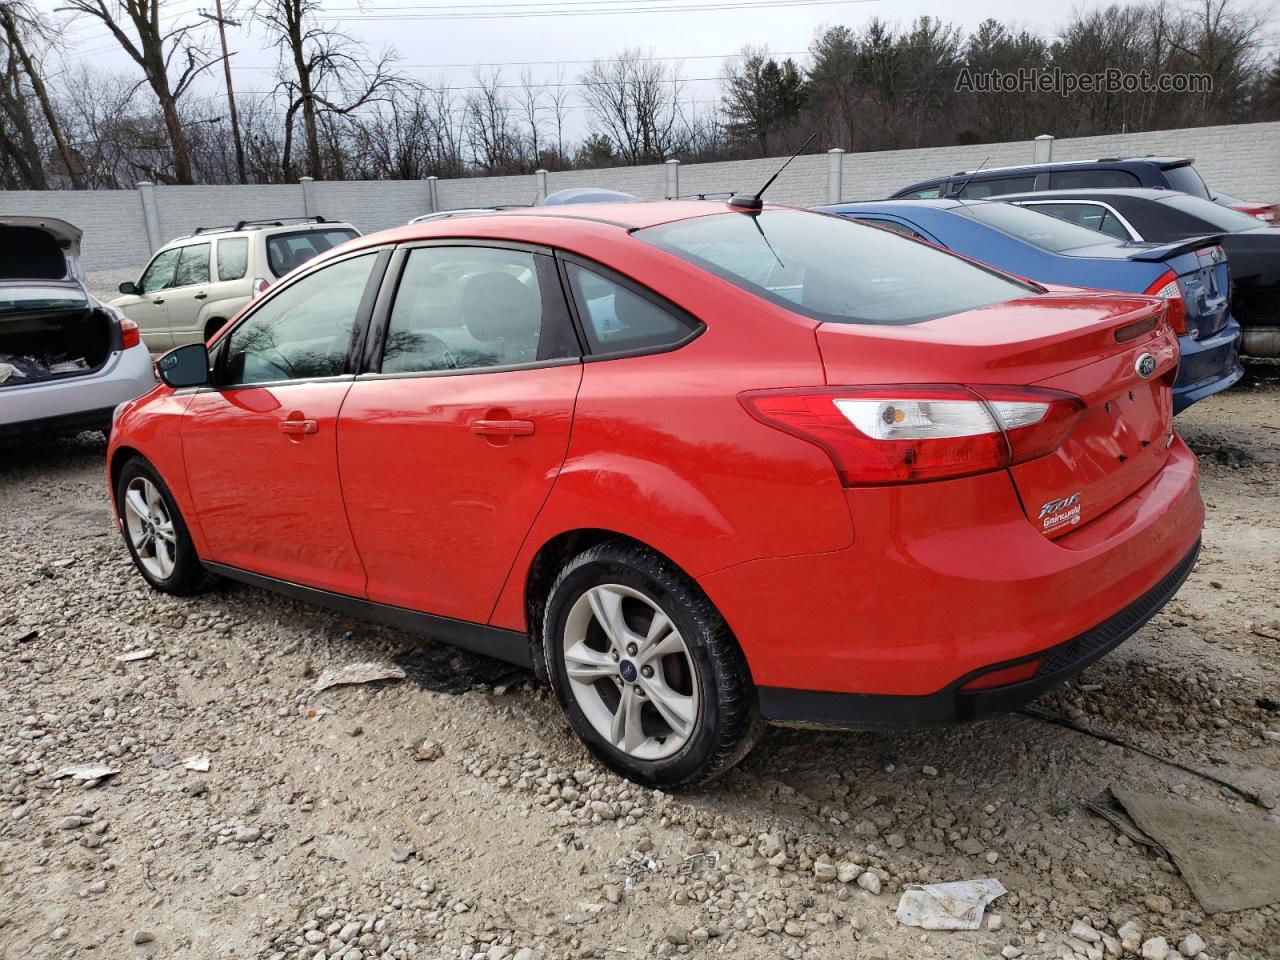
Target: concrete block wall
[{"x": 1242, "y": 160}]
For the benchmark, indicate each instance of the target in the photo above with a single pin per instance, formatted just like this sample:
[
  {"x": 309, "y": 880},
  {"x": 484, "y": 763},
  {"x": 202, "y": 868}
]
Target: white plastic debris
[
  {"x": 948, "y": 906},
  {"x": 133, "y": 655},
  {"x": 358, "y": 673},
  {"x": 86, "y": 771},
  {"x": 197, "y": 763}
]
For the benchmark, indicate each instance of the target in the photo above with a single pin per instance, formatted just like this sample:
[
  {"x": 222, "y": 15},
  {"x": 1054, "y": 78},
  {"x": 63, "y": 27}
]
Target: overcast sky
[{"x": 436, "y": 49}]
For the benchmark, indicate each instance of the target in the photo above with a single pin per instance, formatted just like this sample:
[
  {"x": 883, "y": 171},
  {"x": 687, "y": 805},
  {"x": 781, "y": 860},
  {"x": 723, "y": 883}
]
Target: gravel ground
[{"x": 453, "y": 815}]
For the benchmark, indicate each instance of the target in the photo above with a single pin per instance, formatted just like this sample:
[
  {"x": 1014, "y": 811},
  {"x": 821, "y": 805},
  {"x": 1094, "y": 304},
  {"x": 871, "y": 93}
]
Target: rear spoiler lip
[{"x": 1166, "y": 250}]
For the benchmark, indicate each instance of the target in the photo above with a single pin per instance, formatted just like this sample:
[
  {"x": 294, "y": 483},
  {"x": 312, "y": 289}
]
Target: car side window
[
  {"x": 615, "y": 318},
  {"x": 159, "y": 273},
  {"x": 233, "y": 258},
  {"x": 996, "y": 186},
  {"x": 927, "y": 193},
  {"x": 1086, "y": 215},
  {"x": 302, "y": 332},
  {"x": 1090, "y": 179},
  {"x": 468, "y": 308},
  {"x": 193, "y": 265}
]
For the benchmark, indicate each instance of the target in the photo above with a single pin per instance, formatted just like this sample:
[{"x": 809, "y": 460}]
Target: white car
[
  {"x": 66, "y": 359},
  {"x": 194, "y": 285}
]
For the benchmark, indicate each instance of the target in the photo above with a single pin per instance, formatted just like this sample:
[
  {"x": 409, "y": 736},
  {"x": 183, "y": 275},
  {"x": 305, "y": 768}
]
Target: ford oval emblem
[{"x": 1145, "y": 365}]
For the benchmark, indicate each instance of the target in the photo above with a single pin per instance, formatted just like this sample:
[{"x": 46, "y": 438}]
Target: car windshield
[
  {"x": 833, "y": 269},
  {"x": 1186, "y": 179},
  {"x": 14, "y": 298},
  {"x": 1214, "y": 214},
  {"x": 1038, "y": 229}
]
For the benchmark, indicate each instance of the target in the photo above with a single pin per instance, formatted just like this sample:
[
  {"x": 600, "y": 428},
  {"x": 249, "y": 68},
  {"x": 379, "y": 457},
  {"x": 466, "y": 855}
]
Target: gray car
[{"x": 66, "y": 359}]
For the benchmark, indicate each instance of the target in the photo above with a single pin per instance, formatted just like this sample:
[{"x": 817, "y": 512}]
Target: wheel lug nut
[
  {"x": 647, "y": 671},
  {"x": 614, "y": 654},
  {"x": 632, "y": 649}
]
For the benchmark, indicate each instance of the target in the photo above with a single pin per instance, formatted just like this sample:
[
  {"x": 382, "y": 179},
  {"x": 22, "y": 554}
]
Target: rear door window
[
  {"x": 285, "y": 251},
  {"x": 193, "y": 265},
  {"x": 1091, "y": 179},
  {"x": 1187, "y": 179},
  {"x": 233, "y": 258},
  {"x": 998, "y": 185},
  {"x": 1038, "y": 229},
  {"x": 616, "y": 318},
  {"x": 924, "y": 193},
  {"x": 893, "y": 225}
]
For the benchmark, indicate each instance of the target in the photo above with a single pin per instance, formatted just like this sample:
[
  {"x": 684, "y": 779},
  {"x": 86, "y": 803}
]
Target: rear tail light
[
  {"x": 129, "y": 336},
  {"x": 260, "y": 285},
  {"x": 909, "y": 434},
  {"x": 1166, "y": 286}
]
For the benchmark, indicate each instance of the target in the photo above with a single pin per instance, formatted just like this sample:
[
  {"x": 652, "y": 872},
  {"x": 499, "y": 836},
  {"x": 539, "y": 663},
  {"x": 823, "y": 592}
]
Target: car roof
[
  {"x": 1161, "y": 162},
  {"x": 258, "y": 228}
]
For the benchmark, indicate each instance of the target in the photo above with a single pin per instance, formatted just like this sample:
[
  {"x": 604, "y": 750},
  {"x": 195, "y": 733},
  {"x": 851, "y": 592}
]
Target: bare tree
[
  {"x": 491, "y": 135},
  {"x": 529, "y": 99},
  {"x": 323, "y": 73},
  {"x": 155, "y": 48},
  {"x": 635, "y": 100}
]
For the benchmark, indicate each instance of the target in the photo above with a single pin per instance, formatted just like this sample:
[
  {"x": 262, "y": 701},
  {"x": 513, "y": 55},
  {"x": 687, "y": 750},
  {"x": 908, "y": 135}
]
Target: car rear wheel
[
  {"x": 155, "y": 532},
  {"x": 212, "y": 327},
  {"x": 646, "y": 669}
]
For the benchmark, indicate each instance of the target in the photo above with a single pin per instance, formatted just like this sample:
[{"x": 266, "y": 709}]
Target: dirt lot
[{"x": 324, "y": 827}]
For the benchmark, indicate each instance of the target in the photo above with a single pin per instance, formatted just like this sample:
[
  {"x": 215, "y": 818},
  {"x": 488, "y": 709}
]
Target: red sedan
[{"x": 700, "y": 467}]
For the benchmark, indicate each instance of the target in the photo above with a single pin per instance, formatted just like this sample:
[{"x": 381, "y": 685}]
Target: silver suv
[{"x": 193, "y": 285}]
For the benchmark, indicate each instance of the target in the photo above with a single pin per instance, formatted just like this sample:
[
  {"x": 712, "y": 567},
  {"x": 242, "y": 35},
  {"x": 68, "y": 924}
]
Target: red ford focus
[{"x": 699, "y": 467}]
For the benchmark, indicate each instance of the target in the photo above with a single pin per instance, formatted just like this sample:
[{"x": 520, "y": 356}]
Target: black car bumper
[
  {"x": 63, "y": 425},
  {"x": 954, "y": 705}
]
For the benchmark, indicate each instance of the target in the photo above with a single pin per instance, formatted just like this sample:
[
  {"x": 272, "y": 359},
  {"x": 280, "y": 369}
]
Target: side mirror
[
  {"x": 128, "y": 287},
  {"x": 186, "y": 366}
]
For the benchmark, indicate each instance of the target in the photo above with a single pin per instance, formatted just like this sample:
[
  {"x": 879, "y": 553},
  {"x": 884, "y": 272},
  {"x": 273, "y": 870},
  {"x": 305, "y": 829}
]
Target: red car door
[
  {"x": 261, "y": 446},
  {"x": 448, "y": 452}
]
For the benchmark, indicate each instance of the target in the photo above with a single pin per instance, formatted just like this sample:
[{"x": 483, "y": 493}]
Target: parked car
[
  {"x": 698, "y": 467},
  {"x": 1252, "y": 248},
  {"x": 1168, "y": 173},
  {"x": 1191, "y": 274},
  {"x": 66, "y": 359},
  {"x": 1268, "y": 213},
  {"x": 195, "y": 284}
]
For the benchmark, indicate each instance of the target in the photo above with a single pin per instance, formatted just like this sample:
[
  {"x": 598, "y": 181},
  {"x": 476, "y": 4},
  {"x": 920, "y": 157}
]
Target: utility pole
[{"x": 223, "y": 23}]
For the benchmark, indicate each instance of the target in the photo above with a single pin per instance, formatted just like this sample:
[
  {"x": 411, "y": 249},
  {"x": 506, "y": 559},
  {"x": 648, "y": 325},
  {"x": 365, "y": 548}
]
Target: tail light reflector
[
  {"x": 1166, "y": 286},
  {"x": 260, "y": 285},
  {"x": 914, "y": 433},
  {"x": 129, "y": 335},
  {"x": 1005, "y": 675}
]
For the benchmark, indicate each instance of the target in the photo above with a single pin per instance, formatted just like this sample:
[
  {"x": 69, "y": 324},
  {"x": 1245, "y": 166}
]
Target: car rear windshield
[
  {"x": 16, "y": 298},
  {"x": 1038, "y": 229},
  {"x": 1214, "y": 214},
  {"x": 288, "y": 250},
  {"x": 833, "y": 269},
  {"x": 1186, "y": 179}
]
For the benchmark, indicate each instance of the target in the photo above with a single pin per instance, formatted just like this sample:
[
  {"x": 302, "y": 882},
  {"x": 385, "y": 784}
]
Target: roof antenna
[
  {"x": 972, "y": 173},
  {"x": 752, "y": 201}
]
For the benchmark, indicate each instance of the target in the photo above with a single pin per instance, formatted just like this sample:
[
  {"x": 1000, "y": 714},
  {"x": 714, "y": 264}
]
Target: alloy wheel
[
  {"x": 150, "y": 528},
  {"x": 630, "y": 671}
]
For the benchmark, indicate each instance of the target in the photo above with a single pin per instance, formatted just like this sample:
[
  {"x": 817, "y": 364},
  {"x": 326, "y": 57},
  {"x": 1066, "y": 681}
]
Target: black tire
[
  {"x": 728, "y": 723},
  {"x": 188, "y": 575},
  {"x": 212, "y": 327}
]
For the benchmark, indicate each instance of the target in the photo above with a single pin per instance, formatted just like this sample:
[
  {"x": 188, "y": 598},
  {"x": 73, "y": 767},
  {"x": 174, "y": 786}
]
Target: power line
[
  {"x": 699, "y": 6},
  {"x": 553, "y": 63}
]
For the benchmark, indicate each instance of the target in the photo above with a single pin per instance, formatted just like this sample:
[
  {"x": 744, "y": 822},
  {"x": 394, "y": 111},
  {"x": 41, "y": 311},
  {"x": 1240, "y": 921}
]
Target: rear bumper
[
  {"x": 76, "y": 402},
  {"x": 956, "y": 705},
  {"x": 947, "y": 580},
  {"x": 1207, "y": 366}
]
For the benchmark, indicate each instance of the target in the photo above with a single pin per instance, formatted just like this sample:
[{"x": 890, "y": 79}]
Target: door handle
[
  {"x": 200, "y": 296},
  {"x": 158, "y": 300},
  {"x": 295, "y": 428},
  {"x": 502, "y": 428}
]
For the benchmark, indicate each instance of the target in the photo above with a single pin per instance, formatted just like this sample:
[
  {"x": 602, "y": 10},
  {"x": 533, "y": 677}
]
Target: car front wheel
[
  {"x": 155, "y": 532},
  {"x": 646, "y": 669}
]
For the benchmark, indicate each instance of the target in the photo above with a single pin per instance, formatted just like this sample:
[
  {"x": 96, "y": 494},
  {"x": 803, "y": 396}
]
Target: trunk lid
[
  {"x": 1088, "y": 345},
  {"x": 39, "y": 248},
  {"x": 1203, "y": 279}
]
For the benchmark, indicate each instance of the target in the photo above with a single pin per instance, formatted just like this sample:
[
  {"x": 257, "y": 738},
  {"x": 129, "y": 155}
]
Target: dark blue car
[{"x": 1192, "y": 274}]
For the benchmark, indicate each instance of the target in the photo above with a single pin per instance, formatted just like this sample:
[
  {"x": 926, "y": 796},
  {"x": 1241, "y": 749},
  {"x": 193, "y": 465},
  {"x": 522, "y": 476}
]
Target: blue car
[{"x": 1192, "y": 274}]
